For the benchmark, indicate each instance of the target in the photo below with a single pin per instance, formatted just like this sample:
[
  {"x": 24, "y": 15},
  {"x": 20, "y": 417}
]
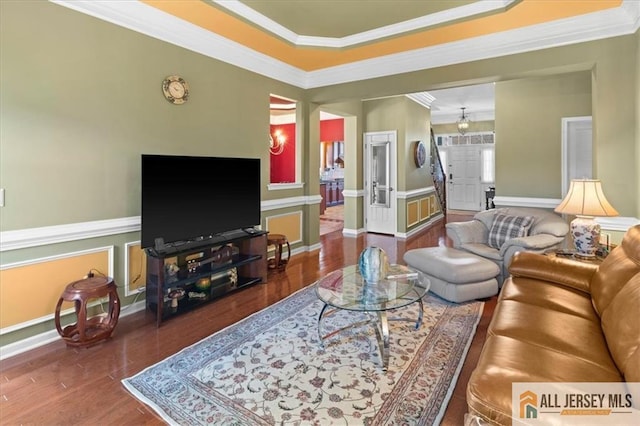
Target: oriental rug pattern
[{"x": 271, "y": 369}]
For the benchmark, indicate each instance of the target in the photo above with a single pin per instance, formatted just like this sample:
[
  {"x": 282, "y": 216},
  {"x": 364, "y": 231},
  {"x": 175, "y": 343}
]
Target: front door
[
  {"x": 464, "y": 178},
  {"x": 380, "y": 181}
]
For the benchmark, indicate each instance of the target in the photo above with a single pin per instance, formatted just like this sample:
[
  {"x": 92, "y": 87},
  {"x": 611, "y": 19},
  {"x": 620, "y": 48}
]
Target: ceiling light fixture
[{"x": 463, "y": 123}]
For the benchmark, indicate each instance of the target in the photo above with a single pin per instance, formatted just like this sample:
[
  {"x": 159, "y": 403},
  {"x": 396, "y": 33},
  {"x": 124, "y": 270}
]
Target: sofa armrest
[
  {"x": 553, "y": 269},
  {"x": 472, "y": 231},
  {"x": 538, "y": 242}
]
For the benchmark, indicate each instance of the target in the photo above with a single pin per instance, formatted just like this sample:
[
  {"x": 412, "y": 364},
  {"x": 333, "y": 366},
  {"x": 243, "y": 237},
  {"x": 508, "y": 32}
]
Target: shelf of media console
[
  {"x": 187, "y": 303},
  {"x": 237, "y": 261}
]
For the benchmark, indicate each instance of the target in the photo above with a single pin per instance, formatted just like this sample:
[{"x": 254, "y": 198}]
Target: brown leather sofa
[{"x": 559, "y": 320}]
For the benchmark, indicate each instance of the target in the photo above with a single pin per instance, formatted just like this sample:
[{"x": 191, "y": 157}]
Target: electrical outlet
[
  {"x": 605, "y": 238},
  {"x": 1, "y": 197}
]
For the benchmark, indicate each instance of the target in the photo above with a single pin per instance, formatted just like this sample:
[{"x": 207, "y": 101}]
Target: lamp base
[{"x": 586, "y": 236}]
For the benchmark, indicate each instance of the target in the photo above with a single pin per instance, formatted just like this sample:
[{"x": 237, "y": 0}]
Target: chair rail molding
[
  {"x": 353, "y": 193},
  {"x": 45, "y": 235},
  {"x": 415, "y": 192},
  {"x": 33, "y": 237},
  {"x": 542, "y": 203}
]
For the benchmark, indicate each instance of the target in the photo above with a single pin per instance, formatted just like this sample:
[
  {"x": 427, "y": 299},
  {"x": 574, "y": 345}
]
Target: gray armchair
[{"x": 548, "y": 231}]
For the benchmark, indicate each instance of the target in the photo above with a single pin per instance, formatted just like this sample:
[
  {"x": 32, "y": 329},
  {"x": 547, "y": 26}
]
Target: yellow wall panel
[
  {"x": 424, "y": 209},
  {"x": 289, "y": 224},
  {"x": 412, "y": 213},
  {"x": 136, "y": 276},
  {"x": 38, "y": 285},
  {"x": 435, "y": 207}
]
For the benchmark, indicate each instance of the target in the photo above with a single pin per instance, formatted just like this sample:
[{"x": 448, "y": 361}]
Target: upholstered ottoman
[{"x": 455, "y": 275}]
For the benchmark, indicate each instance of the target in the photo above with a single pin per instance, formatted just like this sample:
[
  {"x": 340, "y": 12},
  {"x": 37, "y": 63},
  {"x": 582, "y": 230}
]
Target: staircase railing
[{"x": 437, "y": 173}]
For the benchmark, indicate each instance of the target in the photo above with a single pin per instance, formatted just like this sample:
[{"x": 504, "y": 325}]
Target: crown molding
[
  {"x": 594, "y": 26},
  {"x": 422, "y": 22},
  {"x": 160, "y": 25},
  {"x": 150, "y": 21}
]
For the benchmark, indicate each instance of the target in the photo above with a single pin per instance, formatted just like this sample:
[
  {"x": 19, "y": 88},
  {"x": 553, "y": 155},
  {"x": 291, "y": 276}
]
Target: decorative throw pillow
[{"x": 505, "y": 227}]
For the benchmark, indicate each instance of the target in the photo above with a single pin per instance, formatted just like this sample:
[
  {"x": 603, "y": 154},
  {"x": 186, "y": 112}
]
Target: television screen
[{"x": 188, "y": 198}]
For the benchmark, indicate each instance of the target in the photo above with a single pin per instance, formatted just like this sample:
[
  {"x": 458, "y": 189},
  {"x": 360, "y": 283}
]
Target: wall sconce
[
  {"x": 463, "y": 123},
  {"x": 276, "y": 142}
]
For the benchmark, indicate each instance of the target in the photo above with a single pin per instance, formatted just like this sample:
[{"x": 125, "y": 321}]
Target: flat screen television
[{"x": 188, "y": 198}]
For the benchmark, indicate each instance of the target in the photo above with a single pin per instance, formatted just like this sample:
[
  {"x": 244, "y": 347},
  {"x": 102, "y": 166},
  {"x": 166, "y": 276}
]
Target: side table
[
  {"x": 88, "y": 331},
  {"x": 278, "y": 240}
]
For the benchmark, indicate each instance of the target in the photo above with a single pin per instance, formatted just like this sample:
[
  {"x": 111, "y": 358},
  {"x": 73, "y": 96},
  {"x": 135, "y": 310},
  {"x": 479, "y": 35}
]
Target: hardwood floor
[{"x": 56, "y": 385}]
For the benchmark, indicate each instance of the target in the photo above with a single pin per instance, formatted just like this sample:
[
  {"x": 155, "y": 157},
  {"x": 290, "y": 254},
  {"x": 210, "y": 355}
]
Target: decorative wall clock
[
  {"x": 420, "y": 154},
  {"x": 175, "y": 89}
]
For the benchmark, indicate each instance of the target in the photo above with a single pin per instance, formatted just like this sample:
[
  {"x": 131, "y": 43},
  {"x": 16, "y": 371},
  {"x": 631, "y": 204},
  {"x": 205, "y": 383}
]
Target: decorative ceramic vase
[
  {"x": 373, "y": 264},
  {"x": 586, "y": 236}
]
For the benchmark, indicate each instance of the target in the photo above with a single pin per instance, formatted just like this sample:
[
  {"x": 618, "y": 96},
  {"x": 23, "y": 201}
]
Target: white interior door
[
  {"x": 380, "y": 181},
  {"x": 577, "y": 150},
  {"x": 464, "y": 170}
]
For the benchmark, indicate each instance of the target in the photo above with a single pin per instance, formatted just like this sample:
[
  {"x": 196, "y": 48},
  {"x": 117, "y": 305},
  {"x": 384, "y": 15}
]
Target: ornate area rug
[{"x": 270, "y": 368}]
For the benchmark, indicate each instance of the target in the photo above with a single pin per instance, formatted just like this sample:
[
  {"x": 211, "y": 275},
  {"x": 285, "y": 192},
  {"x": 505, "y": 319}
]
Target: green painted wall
[
  {"x": 411, "y": 121},
  {"x": 81, "y": 100},
  {"x": 615, "y": 69},
  {"x": 417, "y": 124},
  {"x": 637, "y": 91},
  {"x": 529, "y": 133}
]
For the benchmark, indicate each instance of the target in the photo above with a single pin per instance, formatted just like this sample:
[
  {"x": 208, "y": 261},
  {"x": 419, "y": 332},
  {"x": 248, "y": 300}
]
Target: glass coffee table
[{"x": 345, "y": 289}]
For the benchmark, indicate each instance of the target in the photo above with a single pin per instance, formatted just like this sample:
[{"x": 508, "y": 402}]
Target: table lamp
[{"x": 585, "y": 200}]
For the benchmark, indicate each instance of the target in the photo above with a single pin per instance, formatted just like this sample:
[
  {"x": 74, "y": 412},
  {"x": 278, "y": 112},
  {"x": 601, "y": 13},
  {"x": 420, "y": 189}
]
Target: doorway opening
[{"x": 332, "y": 168}]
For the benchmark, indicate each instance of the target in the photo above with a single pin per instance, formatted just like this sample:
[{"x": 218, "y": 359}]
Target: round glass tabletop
[{"x": 346, "y": 289}]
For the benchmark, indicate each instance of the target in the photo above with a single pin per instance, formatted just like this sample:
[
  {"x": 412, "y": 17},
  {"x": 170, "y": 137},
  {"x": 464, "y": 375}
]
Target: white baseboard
[{"x": 419, "y": 229}]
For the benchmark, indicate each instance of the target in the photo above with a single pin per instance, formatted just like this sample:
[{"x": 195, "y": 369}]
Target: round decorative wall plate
[
  {"x": 420, "y": 154},
  {"x": 175, "y": 89}
]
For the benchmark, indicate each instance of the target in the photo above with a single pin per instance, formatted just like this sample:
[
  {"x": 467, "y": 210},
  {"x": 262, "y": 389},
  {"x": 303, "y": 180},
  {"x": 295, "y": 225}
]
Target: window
[
  {"x": 443, "y": 160},
  {"x": 488, "y": 165}
]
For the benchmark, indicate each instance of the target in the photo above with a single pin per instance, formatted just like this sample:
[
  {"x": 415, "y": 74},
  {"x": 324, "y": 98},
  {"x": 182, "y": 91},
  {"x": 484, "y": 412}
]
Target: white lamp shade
[{"x": 586, "y": 198}]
